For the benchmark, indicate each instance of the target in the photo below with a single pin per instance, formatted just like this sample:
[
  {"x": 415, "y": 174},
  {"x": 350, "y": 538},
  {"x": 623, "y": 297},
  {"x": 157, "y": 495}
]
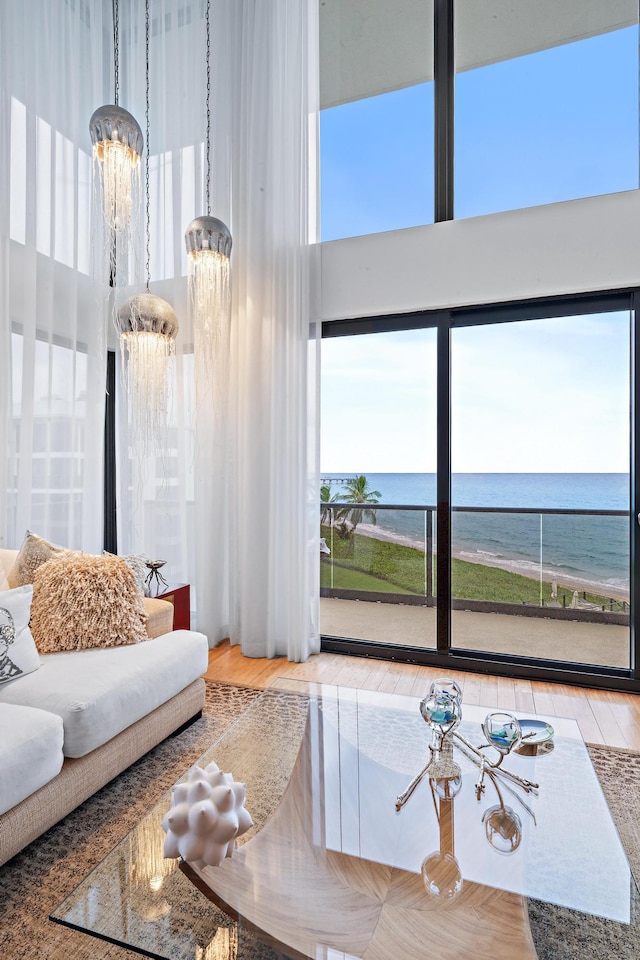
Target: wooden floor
[{"x": 604, "y": 717}]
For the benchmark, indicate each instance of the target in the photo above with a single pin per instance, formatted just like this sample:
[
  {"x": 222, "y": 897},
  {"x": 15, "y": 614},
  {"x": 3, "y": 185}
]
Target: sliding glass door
[
  {"x": 478, "y": 487},
  {"x": 540, "y": 487},
  {"x": 378, "y": 490}
]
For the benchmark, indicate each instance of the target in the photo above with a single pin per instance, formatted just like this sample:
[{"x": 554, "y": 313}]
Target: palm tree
[
  {"x": 356, "y": 490},
  {"x": 326, "y": 498}
]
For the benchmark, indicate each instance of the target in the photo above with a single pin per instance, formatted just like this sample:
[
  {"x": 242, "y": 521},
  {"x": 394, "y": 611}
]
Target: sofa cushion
[
  {"x": 30, "y": 752},
  {"x": 33, "y": 553},
  {"x": 18, "y": 654},
  {"x": 86, "y": 601},
  {"x": 159, "y": 616},
  {"x": 98, "y": 693}
]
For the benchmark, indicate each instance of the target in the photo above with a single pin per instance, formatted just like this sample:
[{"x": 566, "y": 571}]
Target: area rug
[
  {"x": 34, "y": 882},
  {"x": 561, "y": 934},
  {"x": 39, "y": 878}
]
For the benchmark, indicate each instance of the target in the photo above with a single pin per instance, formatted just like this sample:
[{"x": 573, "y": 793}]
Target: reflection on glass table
[{"x": 331, "y": 866}]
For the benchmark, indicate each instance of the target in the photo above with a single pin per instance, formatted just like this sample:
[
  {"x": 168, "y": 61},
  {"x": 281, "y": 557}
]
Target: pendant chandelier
[
  {"x": 208, "y": 243},
  {"x": 117, "y": 149},
  {"x": 148, "y": 327}
]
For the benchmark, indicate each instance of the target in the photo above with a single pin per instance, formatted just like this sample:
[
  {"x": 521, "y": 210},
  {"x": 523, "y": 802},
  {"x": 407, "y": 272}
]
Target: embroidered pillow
[
  {"x": 18, "y": 654},
  {"x": 84, "y": 601},
  {"x": 33, "y": 553}
]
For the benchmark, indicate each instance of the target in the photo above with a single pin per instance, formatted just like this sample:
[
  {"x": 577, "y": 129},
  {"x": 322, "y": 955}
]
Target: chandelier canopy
[
  {"x": 208, "y": 235},
  {"x": 146, "y": 313}
]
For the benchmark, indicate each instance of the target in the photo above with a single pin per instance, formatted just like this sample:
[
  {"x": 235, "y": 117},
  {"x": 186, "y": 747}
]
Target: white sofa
[{"x": 81, "y": 718}]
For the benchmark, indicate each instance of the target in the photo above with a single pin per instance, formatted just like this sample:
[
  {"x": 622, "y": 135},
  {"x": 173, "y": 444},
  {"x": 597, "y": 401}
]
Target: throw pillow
[
  {"x": 33, "y": 552},
  {"x": 138, "y": 563},
  {"x": 85, "y": 601},
  {"x": 18, "y": 654}
]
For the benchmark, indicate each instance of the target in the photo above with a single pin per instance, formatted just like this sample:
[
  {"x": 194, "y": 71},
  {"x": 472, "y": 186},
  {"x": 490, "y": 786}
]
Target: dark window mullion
[
  {"x": 110, "y": 536},
  {"x": 634, "y": 491},
  {"x": 443, "y": 488},
  {"x": 443, "y": 92}
]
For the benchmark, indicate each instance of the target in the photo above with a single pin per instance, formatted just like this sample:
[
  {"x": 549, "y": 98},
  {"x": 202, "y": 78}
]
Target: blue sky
[
  {"x": 539, "y": 396},
  {"x": 543, "y": 396}
]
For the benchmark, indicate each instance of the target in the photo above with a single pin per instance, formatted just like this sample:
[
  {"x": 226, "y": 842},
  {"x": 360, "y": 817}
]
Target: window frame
[{"x": 444, "y": 655}]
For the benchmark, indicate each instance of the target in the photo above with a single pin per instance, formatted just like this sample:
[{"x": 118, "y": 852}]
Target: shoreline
[{"x": 568, "y": 581}]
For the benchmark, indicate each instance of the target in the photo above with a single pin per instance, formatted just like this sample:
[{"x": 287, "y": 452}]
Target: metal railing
[{"x": 360, "y": 567}]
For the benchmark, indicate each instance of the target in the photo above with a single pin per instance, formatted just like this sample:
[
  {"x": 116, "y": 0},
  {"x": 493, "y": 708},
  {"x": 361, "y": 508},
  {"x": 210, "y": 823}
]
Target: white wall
[{"x": 561, "y": 248}]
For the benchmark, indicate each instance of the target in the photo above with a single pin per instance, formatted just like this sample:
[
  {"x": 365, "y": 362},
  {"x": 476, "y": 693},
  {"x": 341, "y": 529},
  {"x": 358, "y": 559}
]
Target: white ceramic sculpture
[{"x": 207, "y": 814}]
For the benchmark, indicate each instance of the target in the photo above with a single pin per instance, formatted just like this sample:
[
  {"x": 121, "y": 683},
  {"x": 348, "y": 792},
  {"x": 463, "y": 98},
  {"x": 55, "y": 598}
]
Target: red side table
[{"x": 179, "y": 596}]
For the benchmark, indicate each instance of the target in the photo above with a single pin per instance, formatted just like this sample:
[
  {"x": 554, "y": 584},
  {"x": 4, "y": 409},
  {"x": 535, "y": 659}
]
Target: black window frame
[{"x": 444, "y": 656}]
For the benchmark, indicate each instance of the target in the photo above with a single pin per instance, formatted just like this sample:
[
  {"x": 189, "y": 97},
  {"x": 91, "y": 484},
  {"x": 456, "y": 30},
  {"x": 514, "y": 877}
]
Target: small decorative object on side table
[{"x": 154, "y": 578}]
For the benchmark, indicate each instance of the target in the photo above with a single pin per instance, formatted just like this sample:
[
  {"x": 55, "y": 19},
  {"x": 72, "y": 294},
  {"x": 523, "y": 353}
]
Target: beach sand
[{"x": 524, "y": 569}]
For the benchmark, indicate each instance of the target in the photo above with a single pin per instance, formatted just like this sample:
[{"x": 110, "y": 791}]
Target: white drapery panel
[
  {"x": 271, "y": 67},
  {"x": 155, "y": 498},
  {"x": 231, "y": 502},
  {"x": 52, "y": 355}
]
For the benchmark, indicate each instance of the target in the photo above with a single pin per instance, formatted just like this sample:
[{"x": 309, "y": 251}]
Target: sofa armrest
[{"x": 159, "y": 616}]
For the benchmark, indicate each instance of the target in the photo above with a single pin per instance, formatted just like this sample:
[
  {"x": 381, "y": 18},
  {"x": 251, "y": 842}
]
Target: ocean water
[{"x": 578, "y": 550}]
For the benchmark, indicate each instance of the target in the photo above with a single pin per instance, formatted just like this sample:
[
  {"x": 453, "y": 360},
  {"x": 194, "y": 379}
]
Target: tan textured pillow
[
  {"x": 84, "y": 601},
  {"x": 33, "y": 553}
]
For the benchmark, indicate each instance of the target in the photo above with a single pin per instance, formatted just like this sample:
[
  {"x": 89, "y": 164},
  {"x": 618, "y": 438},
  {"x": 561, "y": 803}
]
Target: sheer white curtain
[
  {"x": 232, "y": 501},
  {"x": 155, "y": 499},
  {"x": 52, "y": 356},
  {"x": 271, "y": 66}
]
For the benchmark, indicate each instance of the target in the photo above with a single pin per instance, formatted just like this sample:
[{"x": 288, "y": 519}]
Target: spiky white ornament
[{"x": 207, "y": 814}]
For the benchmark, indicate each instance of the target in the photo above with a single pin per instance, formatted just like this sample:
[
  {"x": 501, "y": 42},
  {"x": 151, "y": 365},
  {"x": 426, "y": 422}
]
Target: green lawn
[{"x": 364, "y": 563}]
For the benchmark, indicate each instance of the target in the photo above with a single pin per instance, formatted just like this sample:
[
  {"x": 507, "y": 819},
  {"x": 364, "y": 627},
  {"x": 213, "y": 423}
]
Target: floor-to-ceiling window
[
  {"x": 522, "y": 415},
  {"x": 535, "y": 442}
]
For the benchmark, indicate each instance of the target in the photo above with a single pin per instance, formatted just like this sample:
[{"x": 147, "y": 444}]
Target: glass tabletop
[{"x": 323, "y": 767}]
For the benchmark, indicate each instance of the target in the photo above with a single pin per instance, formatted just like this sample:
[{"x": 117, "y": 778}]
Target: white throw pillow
[{"x": 18, "y": 653}]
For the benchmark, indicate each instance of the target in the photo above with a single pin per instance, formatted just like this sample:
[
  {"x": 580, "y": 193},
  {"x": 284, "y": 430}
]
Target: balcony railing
[{"x": 558, "y": 563}]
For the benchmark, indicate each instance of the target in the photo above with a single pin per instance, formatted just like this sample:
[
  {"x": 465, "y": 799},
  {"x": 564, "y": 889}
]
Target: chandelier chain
[
  {"x": 208, "y": 107},
  {"x": 116, "y": 51},
  {"x": 147, "y": 191}
]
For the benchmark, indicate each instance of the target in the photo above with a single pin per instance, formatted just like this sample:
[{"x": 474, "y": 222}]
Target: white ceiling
[{"x": 369, "y": 47}]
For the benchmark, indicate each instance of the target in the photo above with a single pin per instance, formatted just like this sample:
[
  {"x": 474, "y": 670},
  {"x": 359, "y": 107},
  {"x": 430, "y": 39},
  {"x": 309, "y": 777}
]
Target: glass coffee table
[{"x": 332, "y": 871}]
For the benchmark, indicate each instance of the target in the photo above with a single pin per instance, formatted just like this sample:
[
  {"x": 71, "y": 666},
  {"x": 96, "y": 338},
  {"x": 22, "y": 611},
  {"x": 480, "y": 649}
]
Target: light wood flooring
[{"x": 605, "y": 717}]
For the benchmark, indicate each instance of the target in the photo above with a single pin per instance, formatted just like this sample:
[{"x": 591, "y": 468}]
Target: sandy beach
[{"x": 524, "y": 568}]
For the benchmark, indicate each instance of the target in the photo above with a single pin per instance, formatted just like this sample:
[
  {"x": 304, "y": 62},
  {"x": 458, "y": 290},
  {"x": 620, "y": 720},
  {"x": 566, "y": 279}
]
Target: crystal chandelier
[
  {"x": 148, "y": 327},
  {"x": 208, "y": 243},
  {"x": 117, "y": 148}
]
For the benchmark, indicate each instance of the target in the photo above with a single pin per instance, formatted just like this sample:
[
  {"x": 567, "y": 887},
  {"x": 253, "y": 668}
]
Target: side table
[{"x": 179, "y": 595}]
